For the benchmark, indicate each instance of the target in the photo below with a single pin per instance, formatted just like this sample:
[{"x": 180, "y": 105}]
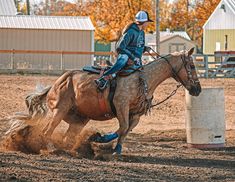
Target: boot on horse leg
[
  {"x": 123, "y": 128},
  {"x": 134, "y": 120},
  {"x": 106, "y": 138}
]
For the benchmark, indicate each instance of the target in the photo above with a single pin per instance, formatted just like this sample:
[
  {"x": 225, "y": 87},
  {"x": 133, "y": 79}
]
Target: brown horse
[{"x": 75, "y": 99}]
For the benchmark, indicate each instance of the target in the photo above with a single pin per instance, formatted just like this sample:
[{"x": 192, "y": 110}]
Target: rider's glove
[{"x": 137, "y": 61}]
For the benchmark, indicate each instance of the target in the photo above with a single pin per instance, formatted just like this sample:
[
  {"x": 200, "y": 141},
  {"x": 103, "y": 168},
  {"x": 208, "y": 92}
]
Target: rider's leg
[{"x": 120, "y": 63}]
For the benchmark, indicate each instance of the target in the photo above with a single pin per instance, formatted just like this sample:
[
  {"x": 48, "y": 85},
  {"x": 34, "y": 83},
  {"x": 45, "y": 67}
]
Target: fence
[
  {"x": 208, "y": 66},
  {"x": 215, "y": 66},
  {"x": 49, "y": 62}
]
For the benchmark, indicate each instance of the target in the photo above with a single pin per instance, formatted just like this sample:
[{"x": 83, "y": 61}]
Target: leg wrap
[{"x": 107, "y": 138}]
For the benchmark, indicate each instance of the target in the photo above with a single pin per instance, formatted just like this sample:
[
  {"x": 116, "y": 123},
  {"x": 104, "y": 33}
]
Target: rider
[{"x": 130, "y": 46}]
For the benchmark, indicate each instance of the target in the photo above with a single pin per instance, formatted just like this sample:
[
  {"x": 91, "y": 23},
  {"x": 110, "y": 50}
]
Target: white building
[
  {"x": 170, "y": 41},
  {"x": 219, "y": 29},
  {"x": 7, "y": 7}
]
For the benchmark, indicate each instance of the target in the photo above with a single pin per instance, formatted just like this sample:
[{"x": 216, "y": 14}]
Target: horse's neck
[{"x": 155, "y": 73}]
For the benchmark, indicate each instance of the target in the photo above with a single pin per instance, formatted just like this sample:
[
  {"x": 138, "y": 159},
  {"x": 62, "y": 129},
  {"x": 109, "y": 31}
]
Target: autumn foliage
[{"x": 110, "y": 16}]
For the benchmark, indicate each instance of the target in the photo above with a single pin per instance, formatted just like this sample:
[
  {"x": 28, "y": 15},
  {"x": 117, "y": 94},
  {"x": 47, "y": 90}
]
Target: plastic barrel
[{"x": 205, "y": 119}]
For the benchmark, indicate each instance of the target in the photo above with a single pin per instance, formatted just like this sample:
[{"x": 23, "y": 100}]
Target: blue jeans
[{"x": 120, "y": 63}]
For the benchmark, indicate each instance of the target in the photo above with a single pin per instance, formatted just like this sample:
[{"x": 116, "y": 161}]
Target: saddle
[{"x": 127, "y": 70}]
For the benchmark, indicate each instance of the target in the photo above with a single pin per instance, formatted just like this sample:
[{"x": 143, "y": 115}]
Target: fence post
[
  {"x": 61, "y": 61},
  {"x": 206, "y": 65},
  {"x": 12, "y": 60},
  {"x": 112, "y": 57}
]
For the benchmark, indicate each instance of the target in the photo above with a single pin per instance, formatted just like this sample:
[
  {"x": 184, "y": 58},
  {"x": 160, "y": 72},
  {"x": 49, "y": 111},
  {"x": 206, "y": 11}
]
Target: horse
[{"x": 74, "y": 97}]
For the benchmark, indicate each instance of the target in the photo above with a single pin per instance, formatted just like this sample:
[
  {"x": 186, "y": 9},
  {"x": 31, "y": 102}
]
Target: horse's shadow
[{"x": 184, "y": 161}]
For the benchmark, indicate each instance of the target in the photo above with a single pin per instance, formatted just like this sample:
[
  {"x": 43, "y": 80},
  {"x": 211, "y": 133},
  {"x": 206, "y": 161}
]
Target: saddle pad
[
  {"x": 129, "y": 70},
  {"x": 124, "y": 72}
]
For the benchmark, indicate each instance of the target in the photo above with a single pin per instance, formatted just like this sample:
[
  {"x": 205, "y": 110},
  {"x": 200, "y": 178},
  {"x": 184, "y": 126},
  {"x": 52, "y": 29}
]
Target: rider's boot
[{"x": 103, "y": 81}]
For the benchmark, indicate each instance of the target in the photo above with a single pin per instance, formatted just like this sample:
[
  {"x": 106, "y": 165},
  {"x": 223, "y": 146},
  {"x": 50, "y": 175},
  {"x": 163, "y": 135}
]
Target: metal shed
[
  {"x": 46, "y": 33},
  {"x": 170, "y": 42}
]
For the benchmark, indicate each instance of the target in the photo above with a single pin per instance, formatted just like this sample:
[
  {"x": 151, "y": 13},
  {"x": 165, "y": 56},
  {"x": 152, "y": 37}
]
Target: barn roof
[
  {"x": 7, "y": 7},
  {"x": 180, "y": 33},
  {"x": 231, "y": 6},
  {"x": 151, "y": 38},
  {"x": 168, "y": 37},
  {"x": 46, "y": 22}
]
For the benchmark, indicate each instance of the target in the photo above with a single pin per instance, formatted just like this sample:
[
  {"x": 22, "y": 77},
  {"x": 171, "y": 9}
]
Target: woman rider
[{"x": 131, "y": 46}]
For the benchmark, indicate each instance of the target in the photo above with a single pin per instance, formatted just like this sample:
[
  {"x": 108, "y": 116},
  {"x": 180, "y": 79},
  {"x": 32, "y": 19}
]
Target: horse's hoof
[
  {"x": 115, "y": 154},
  {"x": 95, "y": 137}
]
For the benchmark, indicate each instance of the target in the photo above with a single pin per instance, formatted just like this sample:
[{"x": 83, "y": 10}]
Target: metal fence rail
[
  {"x": 208, "y": 66},
  {"x": 49, "y": 62}
]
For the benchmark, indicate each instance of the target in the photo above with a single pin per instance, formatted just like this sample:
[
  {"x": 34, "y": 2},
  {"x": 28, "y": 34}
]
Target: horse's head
[{"x": 185, "y": 73}]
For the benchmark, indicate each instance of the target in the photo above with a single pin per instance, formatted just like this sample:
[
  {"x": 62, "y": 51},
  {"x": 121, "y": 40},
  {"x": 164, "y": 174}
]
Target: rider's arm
[{"x": 122, "y": 44}]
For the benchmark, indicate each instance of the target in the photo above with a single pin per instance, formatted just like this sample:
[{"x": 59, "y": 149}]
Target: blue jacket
[{"x": 132, "y": 42}]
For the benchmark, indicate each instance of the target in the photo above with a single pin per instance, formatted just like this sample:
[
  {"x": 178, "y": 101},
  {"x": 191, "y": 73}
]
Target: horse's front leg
[
  {"x": 123, "y": 118},
  {"x": 134, "y": 120},
  {"x": 122, "y": 109},
  {"x": 123, "y": 131}
]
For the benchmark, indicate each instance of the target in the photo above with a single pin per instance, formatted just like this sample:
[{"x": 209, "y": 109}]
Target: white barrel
[{"x": 205, "y": 119}]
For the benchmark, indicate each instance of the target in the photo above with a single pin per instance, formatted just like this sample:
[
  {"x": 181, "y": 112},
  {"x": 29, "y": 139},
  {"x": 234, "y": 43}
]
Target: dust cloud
[{"x": 25, "y": 135}]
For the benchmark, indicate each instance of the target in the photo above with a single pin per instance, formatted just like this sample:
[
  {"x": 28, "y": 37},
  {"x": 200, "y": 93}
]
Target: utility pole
[
  {"x": 157, "y": 27},
  {"x": 28, "y": 7},
  {"x": 47, "y": 8}
]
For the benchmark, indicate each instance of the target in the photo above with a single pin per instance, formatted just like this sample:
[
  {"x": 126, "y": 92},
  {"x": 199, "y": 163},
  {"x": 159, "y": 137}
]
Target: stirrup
[{"x": 101, "y": 84}]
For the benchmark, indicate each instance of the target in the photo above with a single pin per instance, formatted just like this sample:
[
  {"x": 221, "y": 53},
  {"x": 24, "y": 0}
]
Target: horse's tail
[{"x": 36, "y": 103}]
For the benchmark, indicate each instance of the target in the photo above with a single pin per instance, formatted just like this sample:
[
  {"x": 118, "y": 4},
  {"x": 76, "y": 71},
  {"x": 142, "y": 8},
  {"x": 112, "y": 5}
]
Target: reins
[
  {"x": 172, "y": 69},
  {"x": 174, "y": 73}
]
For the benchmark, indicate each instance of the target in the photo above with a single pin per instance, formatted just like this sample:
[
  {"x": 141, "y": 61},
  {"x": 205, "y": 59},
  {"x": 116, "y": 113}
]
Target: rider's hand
[
  {"x": 137, "y": 61},
  {"x": 147, "y": 49}
]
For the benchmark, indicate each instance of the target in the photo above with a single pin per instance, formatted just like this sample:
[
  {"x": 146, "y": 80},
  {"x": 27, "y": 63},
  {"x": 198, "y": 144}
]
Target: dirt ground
[{"x": 156, "y": 150}]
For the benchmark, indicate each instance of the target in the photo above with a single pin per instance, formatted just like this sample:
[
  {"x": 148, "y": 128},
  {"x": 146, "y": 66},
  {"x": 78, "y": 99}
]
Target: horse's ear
[{"x": 190, "y": 52}]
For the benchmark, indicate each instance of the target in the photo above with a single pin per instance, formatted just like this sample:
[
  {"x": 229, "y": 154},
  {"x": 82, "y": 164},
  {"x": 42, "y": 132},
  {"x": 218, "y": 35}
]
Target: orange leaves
[{"x": 110, "y": 16}]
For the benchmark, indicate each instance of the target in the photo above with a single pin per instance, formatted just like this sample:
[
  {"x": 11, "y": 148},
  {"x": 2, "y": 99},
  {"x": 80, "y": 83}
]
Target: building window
[{"x": 176, "y": 47}]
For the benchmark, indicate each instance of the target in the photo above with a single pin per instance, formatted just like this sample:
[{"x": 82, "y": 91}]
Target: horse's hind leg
[
  {"x": 71, "y": 134},
  {"x": 58, "y": 115},
  {"x": 76, "y": 124}
]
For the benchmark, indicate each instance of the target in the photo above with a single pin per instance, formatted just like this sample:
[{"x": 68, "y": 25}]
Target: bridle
[
  {"x": 174, "y": 72},
  {"x": 175, "y": 75}
]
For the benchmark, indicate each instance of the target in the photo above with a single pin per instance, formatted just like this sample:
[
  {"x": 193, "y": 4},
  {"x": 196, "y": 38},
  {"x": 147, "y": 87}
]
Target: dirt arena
[{"x": 156, "y": 150}]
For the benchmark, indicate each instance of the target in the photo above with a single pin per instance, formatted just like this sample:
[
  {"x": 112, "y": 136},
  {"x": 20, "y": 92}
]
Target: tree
[
  {"x": 203, "y": 10},
  {"x": 190, "y": 16},
  {"x": 110, "y": 16},
  {"x": 180, "y": 15}
]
